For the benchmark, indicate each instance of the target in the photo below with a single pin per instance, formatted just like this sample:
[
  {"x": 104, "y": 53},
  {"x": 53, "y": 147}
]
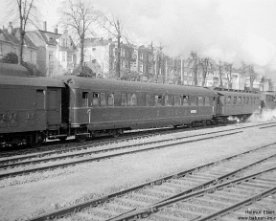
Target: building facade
[
  {"x": 56, "y": 52},
  {"x": 10, "y": 43}
]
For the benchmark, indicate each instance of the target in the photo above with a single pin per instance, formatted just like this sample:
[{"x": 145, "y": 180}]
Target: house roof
[
  {"x": 95, "y": 42},
  {"x": 50, "y": 37},
  {"x": 14, "y": 37}
]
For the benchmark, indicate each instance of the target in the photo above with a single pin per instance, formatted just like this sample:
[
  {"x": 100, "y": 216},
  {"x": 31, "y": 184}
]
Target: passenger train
[{"x": 33, "y": 109}]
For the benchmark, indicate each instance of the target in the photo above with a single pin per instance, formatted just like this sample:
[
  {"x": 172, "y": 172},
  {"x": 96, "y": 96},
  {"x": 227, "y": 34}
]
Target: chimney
[
  {"x": 56, "y": 30},
  {"x": 45, "y": 26},
  {"x": 10, "y": 28}
]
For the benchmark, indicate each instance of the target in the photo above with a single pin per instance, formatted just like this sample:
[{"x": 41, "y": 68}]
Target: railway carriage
[
  {"x": 236, "y": 103},
  {"x": 30, "y": 109},
  {"x": 268, "y": 100},
  {"x": 107, "y": 106}
]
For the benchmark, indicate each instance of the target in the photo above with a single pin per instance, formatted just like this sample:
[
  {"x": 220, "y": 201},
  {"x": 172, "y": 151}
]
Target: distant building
[
  {"x": 10, "y": 42},
  {"x": 56, "y": 52},
  {"x": 136, "y": 63}
]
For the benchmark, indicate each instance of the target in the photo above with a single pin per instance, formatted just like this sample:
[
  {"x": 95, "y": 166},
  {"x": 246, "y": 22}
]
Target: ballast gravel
[{"x": 23, "y": 200}]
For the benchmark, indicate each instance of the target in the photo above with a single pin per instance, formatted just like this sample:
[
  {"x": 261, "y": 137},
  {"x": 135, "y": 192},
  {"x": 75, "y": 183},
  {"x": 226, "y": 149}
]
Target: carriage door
[
  {"x": 53, "y": 106},
  {"x": 220, "y": 102}
]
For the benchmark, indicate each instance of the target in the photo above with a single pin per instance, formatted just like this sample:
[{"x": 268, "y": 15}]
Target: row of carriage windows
[
  {"x": 239, "y": 100},
  {"x": 131, "y": 99}
]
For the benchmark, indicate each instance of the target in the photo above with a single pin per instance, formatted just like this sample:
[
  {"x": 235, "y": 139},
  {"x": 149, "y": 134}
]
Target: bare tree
[
  {"x": 252, "y": 76},
  {"x": 24, "y": 9},
  {"x": 207, "y": 66},
  {"x": 220, "y": 66},
  {"x": 118, "y": 30},
  {"x": 228, "y": 70},
  {"x": 79, "y": 15},
  {"x": 113, "y": 26},
  {"x": 249, "y": 70},
  {"x": 193, "y": 63}
]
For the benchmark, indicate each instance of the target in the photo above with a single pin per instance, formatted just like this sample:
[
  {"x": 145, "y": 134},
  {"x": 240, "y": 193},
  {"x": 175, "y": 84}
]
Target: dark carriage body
[
  {"x": 236, "y": 103},
  {"x": 29, "y": 107},
  {"x": 97, "y": 104},
  {"x": 268, "y": 100}
]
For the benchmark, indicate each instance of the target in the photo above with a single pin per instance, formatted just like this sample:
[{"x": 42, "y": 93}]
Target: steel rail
[
  {"x": 73, "y": 163},
  {"x": 63, "y": 150},
  {"x": 75, "y": 208},
  {"x": 4, "y": 166},
  {"x": 239, "y": 204},
  {"x": 144, "y": 212}
]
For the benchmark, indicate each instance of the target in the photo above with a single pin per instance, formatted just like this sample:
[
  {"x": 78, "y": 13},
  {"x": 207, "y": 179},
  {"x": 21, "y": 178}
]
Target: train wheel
[
  {"x": 35, "y": 139},
  {"x": 81, "y": 138},
  {"x": 116, "y": 133}
]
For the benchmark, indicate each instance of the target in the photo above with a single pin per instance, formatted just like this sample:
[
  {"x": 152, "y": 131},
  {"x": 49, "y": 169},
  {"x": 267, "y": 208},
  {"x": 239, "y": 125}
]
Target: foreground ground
[{"x": 20, "y": 201}]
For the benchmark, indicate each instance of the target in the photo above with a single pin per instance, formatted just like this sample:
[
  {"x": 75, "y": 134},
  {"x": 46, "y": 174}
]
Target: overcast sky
[{"x": 228, "y": 30}]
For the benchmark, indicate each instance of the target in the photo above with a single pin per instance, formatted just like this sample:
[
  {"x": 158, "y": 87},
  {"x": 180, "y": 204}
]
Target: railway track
[
  {"x": 36, "y": 163},
  {"x": 9, "y": 170},
  {"x": 71, "y": 145},
  {"x": 36, "y": 157},
  {"x": 201, "y": 193}
]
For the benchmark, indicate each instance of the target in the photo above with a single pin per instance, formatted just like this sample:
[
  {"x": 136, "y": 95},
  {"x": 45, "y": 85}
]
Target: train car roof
[
  {"x": 119, "y": 85},
  {"x": 269, "y": 92},
  {"x": 224, "y": 91},
  {"x": 7, "y": 69},
  {"x": 31, "y": 81}
]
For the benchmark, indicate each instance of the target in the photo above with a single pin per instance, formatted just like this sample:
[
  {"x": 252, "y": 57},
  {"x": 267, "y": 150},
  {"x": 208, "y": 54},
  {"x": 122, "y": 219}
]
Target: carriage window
[
  {"x": 246, "y": 100},
  {"x": 158, "y": 100},
  {"x": 134, "y": 99},
  {"x": 131, "y": 100},
  {"x": 185, "y": 100},
  {"x": 103, "y": 99},
  {"x": 95, "y": 99},
  {"x": 200, "y": 101},
  {"x": 40, "y": 99},
  {"x": 149, "y": 100},
  {"x": 177, "y": 100},
  {"x": 207, "y": 101},
  {"x": 222, "y": 99},
  {"x": 85, "y": 99},
  {"x": 235, "y": 100},
  {"x": 239, "y": 100},
  {"x": 110, "y": 100},
  {"x": 168, "y": 100},
  {"x": 193, "y": 101},
  {"x": 124, "y": 99},
  {"x": 229, "y": 100}
]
